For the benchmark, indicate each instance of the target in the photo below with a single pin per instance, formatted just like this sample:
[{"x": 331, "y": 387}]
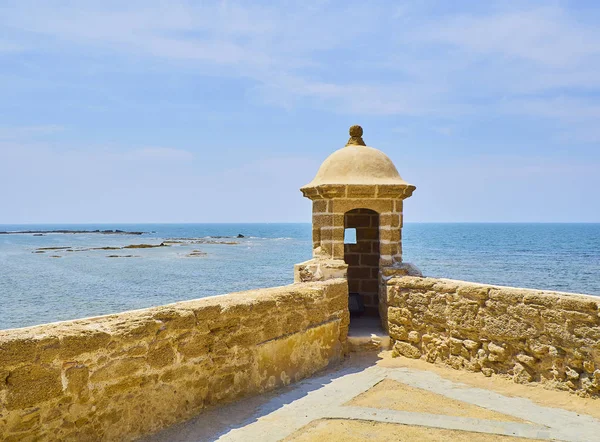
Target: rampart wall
[
  {"x": 120, "y": 376},
  {"x": 529, "y": 335}
]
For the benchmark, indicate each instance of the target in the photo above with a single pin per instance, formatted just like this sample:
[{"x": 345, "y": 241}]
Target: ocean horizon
[{"x": 68, "y": 276}]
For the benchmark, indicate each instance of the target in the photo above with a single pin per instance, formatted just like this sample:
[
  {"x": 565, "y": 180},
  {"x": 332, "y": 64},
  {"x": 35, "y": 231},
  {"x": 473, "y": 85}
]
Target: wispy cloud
[
  {"x": 545, "y": 35},
  {"x": 442, "y": 64},
  {"x": 25, "y": 132},
  {"x": 454, "y": 77}
]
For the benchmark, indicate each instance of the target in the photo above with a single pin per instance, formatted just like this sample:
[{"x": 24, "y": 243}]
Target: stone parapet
[
  {"x": 387, "y": 273},
  {"x": 529, "y": 335},
  {"x": 121, "y": 376},
  {"x": 320, "y": 270}
]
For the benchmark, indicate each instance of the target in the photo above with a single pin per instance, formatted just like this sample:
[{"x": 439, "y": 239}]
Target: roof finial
[{"x": 356, "y": 136}]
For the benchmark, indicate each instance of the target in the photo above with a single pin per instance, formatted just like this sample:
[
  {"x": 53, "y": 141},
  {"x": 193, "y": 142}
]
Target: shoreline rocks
[
  {"x": 164, "y": 243},
  {"x": 145, "y": 246},
  {"x": 196, "y": 253},
  {"x": 43, "y": 232}
]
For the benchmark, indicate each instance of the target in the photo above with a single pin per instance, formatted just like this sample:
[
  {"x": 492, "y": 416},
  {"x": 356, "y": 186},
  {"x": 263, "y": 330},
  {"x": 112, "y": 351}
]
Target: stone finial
[{"x": 356, "y": 136}]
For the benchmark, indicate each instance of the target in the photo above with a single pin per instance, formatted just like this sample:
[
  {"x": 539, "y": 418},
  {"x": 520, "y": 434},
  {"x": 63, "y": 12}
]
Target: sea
[{"x": 62, "y": 276}]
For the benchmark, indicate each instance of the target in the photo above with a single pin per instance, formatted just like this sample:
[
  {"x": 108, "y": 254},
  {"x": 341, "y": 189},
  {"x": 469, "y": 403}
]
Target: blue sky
[{"x": 174, "y": 111}]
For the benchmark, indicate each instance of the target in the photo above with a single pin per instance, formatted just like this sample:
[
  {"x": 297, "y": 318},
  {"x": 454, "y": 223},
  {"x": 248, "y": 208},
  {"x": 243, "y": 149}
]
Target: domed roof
[{"x": 357, "y": 164}]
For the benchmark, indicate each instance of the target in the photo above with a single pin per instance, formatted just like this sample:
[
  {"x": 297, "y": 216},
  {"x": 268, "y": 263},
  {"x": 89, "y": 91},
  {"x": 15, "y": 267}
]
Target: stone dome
[{"x": 357, "y": 164}]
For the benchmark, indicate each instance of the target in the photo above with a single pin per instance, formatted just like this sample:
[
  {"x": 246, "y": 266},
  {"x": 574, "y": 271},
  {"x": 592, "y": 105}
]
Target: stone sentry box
[{"x": 357, "y": 187}]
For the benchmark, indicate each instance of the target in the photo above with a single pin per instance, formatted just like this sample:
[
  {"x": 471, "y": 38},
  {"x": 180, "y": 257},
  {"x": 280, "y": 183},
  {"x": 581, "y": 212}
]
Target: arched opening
[{"x": 361, "y": 253}]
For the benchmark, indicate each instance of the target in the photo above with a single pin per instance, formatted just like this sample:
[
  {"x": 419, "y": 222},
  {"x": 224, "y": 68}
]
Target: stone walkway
[{"x": 384, "y": 403}]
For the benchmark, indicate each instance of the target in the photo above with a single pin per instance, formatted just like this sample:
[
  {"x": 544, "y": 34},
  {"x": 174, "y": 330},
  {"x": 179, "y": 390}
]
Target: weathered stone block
[
  {"x": 556, "y": 316},
  {"x": 456, "y": 346},
  {"x": 391, "y": 191},
  {"x": 527, "y": 360},
  {"x": 20, "y": 422},
  {"x": 388, "y": 235},
  {"x": 29, "y": 385},
  {"x": 161, "y": 356},
  {"x": 463, "y": 315},
  {"x": 399, "y": 316},
  {"x": 588, "y": 332},
  {"x": 560, "y": 334},
  {"x": 473, "y": 292},
  {"x": 445, "y": 286},
  {"x": 124, "y": 386},
  {"x": 117, "y": 369},
  {"x": 134, "y": 329},
  {"x": 539, "y": 299},
  {"x": 206, "y": 313},
  {"x": 505, "y": 295},
  {"x": 415, "y": 283},
  {"x": 319, "y": 206},
  {"x": 524, "y": 312},
  {"x": 521, "y": 375},
  {"x": 390, "y": 220},
  {"x": 329, "y": 191},
  {"x": 471, "y": 345},
  {"x": 588, "y": 366},
  {"x": 578, "y": 304},
  {"x": 505, "y": 327},
  {"x": 487, "y": 372},
  {"x": 77, "y": 380},
  {"x": 406, "y": 349},
  {"x": 398, "y": 332},
  {"x": 178, "y": 374},
  {"x": 15, "y": 351},
  {"x": 337, "y": 250},
  {"x": 176, "y": 319},
  {"x": 414, "y": 337},
  {"x": 85, "y": 341}
]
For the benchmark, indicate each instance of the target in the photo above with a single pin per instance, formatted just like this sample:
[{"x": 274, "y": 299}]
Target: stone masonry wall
[
  {"x": 529, "y": 335},
  {"x": 363, "y": 258},
  {"x": 329, "y": 217},
  {"x": 120, "y": 376}
]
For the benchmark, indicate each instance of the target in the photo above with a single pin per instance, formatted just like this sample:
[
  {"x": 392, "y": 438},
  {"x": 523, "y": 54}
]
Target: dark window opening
[{"x": 362, "y": 258}]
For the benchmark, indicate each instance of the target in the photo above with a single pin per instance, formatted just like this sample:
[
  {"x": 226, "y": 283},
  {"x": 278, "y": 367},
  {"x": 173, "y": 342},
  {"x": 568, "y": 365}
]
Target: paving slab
[{"x": 339, "y": 395}]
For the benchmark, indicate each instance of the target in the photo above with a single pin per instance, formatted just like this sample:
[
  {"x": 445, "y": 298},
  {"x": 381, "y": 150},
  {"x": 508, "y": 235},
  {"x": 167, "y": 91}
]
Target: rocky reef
[{"x": 43, "y": 232}]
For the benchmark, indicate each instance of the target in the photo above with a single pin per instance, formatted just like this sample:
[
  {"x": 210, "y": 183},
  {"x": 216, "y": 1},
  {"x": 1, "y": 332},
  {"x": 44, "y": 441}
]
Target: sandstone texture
[
  {"x": 530, "y": 335},
  {"x": 121, "y": 376},
  {"x": 357, "y": 177},
  {"x": 356, "y": 187}
]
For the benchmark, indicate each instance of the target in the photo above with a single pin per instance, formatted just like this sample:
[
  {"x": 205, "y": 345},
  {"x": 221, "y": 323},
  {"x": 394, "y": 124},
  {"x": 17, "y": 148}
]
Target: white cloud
[
  {"x": 547, "y": 35},
  {"x": 355, "y": 59}
]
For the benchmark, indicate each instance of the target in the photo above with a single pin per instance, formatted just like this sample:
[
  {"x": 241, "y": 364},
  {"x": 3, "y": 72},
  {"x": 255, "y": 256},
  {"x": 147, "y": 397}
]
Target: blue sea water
[{"x": 36, "y": 288}]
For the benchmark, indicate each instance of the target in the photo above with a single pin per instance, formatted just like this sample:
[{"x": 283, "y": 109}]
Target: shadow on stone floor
[{"x": 215, "y": 422}]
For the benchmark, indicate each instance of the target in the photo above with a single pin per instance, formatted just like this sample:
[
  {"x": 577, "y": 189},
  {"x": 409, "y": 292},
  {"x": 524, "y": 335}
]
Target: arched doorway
[{"x": 361, "y": 253}]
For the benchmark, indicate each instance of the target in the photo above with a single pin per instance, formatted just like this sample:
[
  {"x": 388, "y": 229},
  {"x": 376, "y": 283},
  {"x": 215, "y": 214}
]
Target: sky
[{"x": 175, "y": 111}]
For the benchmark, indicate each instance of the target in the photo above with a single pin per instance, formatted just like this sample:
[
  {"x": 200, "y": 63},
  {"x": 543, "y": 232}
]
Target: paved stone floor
[{"x": 377, "y": 398}]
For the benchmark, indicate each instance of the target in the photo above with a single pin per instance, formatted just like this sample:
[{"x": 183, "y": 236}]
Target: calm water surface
[{"x": 36, "y": 288}]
